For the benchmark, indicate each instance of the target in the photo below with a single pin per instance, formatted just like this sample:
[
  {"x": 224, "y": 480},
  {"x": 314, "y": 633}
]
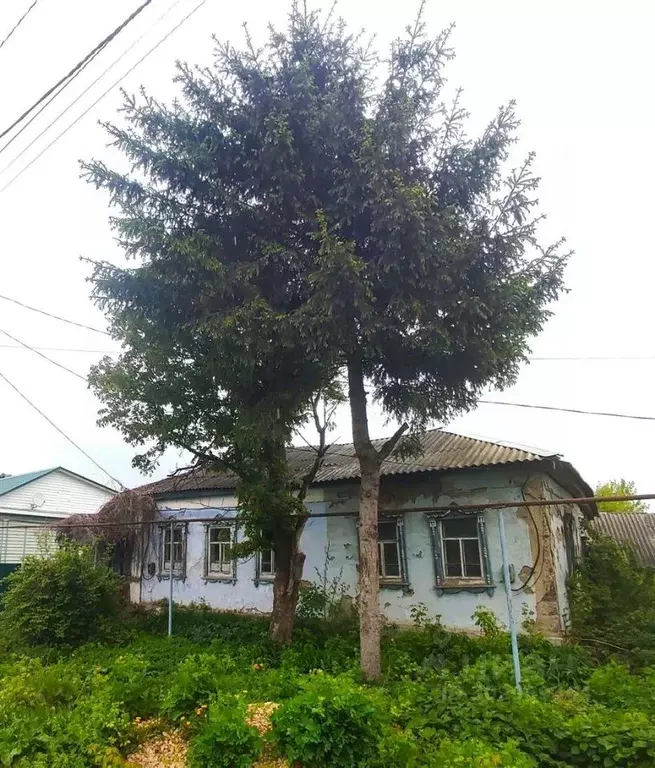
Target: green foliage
[
  {"x": 225, "y": 740},
  {"x": 64, "y": 599},
  {"x": 445, "y": 699},
  {"x": 59, "y": 715},
  {"x": 614, "y": 686},
  {"x": 474, "y": 753},
  {"x": 373, "y": 215},
  {"x": 613, "y": 603},
  {"x": 333, "y": 722},
  {"x": 620, "y": 487},
  {"x": 487, "y": 621}
]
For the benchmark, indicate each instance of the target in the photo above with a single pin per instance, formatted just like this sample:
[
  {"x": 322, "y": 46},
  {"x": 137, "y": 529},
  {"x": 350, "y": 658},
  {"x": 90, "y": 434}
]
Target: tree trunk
[
  {"x": 289, "y": 562},
  {"x": 369, "y": 581}
]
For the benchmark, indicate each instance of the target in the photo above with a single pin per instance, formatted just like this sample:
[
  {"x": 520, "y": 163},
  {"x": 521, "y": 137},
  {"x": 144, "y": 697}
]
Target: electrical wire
[
  {"x": 55, "y": 317},
  {"x": 45, "y": 357},
  {"x": 537, "y": 559},
  {"x": 591, "y": 358},
  {"x": 74, "y": 72},
  {"x": 102, "y": 95},
  {"x": 60, "y": 430},
  {"x": 86, "y": 90},
  {"x": 18, "y": 23},
  {"x": 65, "y": 349},
  {"x": 568, "y": 410}
]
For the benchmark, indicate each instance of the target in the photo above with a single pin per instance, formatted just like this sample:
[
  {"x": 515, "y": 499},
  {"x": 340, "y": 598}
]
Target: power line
[
  {"x": 64, "y": 349},
  {"x": 568, "y": 410},
  {"x": 45, "y": 357},
  {"x": 594, "y": 359},
  {"x": 18, "y": 23},
  {"x": 84, "y": 92},
  {"x": 55, "y": 317},
  {"x": 102, "y": 95},
  {"x": 74, "y": 72},
  {"x": 59, "y": 429}
]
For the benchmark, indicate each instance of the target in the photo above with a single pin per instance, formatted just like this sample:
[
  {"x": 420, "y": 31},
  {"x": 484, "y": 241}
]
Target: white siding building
[{"x": 37, "y": 498}]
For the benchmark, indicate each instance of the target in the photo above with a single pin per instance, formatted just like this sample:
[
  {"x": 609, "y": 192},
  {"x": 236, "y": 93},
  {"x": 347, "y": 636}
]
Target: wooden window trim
[
  {"x": 445, "y": 584},
  {"x": 217, "y": 576}
]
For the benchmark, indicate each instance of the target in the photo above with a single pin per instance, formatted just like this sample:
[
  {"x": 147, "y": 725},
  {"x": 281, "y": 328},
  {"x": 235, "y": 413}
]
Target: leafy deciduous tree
[
  {"x": 620, "y": 487},
  {"x": 310, "y": 208}
]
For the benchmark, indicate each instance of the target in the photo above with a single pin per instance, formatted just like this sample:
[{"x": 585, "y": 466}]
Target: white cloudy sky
[{"x": 582, "y": 76}]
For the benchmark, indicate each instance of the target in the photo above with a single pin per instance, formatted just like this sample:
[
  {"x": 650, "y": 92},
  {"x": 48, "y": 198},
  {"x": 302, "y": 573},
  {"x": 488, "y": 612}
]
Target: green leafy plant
[
  {"x": 196, "y": 681},
  {"x": 474, "y": 753},
  {"x": 225, "y": 740},
  {"x": 613, "y": 604},
  {"x": 63, "y": 599},
  {"x": 487, "y": 621},
  {"x": 333, "y": 722}
]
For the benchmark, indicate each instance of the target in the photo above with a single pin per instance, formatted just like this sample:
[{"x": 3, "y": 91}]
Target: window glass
[{"x": 460, "y": 527}]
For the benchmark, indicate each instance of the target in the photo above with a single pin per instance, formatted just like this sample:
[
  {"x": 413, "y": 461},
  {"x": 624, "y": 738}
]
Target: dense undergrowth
[{"x": 444, "y": 700}]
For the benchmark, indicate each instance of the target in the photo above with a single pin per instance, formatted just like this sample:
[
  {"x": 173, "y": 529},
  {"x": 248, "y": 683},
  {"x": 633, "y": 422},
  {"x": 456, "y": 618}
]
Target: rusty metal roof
[
  {"x": 442, "y": 451},
  {"x": 637, "y": 529}
]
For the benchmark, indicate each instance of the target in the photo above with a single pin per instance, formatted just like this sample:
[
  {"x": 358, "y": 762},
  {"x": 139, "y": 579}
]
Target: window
[
  {"x": 219, "y": 549},
  {"x": 461, "y": 548},
  {"x": 173, "y": 545},
  {"x": 267, "y": 564},
  {"x": 461, "y": 558},
  {"x": 391, "y": 552}
]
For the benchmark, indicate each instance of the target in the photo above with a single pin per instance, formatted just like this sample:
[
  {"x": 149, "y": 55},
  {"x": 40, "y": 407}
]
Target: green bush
[
  {"x": 63, "y": 599},
  {"x": 195, "y": 682},
  {"x": 225, "y": 740},
  {"x": 333, "y": 722},
  {"x": 613, "y": 604},
  {"x": 59, "y": 715},
  {"x": 614, "y": 686},
  {"x": 474, "y": 753}
]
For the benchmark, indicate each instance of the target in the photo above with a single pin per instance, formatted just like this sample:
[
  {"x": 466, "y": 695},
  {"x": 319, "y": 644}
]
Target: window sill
[
  {"x": 225, "y": 579},
  {"x": 394, "y": 584},
  {"x": 452, "y": 586},
  {"x": 176, "y": 576},
  {"x": 264, "y": 580}
]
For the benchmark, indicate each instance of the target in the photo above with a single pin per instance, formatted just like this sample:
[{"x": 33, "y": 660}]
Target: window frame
[
  {"x": 444, "y": 583},
  {"x": 402, "y": 580},
  {"x": 220, "y": 576},
  {"x": 179, "y": 572},
  {"x": 260, "y": 576}
]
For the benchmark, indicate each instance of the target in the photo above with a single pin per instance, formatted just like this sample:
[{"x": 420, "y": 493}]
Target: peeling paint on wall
[{"x": 330, "y": 545}]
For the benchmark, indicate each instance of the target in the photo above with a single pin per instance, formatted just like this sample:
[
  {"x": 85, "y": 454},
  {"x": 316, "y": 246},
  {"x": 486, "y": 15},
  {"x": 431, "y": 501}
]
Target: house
[
  {"x": 29, "y": 502},
  {"x": 450, "y": 562},
  {"x": 634, "y": 529}
]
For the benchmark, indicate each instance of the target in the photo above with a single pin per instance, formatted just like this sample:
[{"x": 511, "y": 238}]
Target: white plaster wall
[
  {"x": 244, "y": 595},
  {"x": 333, "y": 541},
  {"x": 455, "y": 609}
]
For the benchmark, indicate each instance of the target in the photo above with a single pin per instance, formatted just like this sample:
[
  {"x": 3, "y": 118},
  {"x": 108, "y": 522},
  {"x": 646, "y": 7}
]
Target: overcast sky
[{"x": 582, "y": 80}]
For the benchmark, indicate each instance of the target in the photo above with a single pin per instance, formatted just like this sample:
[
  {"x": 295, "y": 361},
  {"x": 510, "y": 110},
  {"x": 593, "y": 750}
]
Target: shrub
[
  {"x": 60, "y": 600},
  {"x": 613, "y": 604},
  {"x": 225, "y": 740},
  {"x": 196, "y": 682},
  {"x": 333, "y": 722},
  {"x": 614, "y": 686},
  {"x": 474, "y": 753}
]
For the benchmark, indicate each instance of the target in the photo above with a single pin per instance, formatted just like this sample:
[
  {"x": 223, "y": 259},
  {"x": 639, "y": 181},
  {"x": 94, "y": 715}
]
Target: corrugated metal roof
[
  {"x": 634, "y": 528},
  {"x": 16, "y": 481},
  {"x": 441, "y": 451}
]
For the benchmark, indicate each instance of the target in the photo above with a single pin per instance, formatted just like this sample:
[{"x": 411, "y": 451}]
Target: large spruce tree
[{"x": 308, "y": 210}]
